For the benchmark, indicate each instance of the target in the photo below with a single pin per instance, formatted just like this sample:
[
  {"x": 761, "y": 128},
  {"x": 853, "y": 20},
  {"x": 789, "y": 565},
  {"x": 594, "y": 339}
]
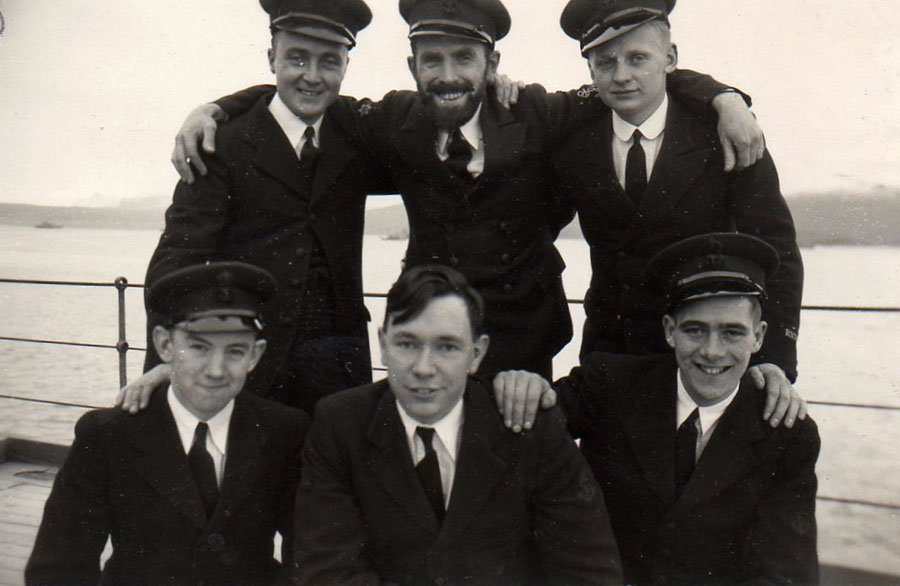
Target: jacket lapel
[
  {"x": 336, "y": 155},
  {"x": 275, "y": 155},
  {"x": 480, "y": 462},
  {"x": 728, "y": 456},
  {"x": 246, "y": 444},
  {"x": 160, "y": 458},
  {"x": 392, "y": 463},
  {"x": 503, "y": 137},
  {"x": 679, "y": 161},
  {"x": 650, "y": 428}
]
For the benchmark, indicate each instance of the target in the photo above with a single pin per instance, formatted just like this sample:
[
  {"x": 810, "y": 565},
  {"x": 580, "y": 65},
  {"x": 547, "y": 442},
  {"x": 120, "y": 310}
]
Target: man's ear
[
  {"x": 493, "y": 62},
  {"x": 259, "y": 348},
  {"x": 760, "y": 334},
  {"x": 382, "y": 343},
  {"x": 162, "y": 341},
  {"x": 411, "y": 63},
  {"x": 672, "y": 58},
  {"x": 271, "y": 54},
  {"x": 669, "y": 329},
  {"x": 479, "y": 349}
]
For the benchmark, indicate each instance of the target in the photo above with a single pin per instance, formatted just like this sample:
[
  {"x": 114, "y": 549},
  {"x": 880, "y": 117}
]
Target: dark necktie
[
  {"x": 636, "y": 169},
  {"x": 429, "y": 472},
  {"x": 309, "y": 154},
  {"x": 685, "y": 450},
  {"x": 201, "y": 464},
  {"x": 459, "y": 154}
]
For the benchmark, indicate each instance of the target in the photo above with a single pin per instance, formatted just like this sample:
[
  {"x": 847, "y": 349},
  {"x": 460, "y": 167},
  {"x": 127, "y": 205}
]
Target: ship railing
[{"x": 122, "y": 347}]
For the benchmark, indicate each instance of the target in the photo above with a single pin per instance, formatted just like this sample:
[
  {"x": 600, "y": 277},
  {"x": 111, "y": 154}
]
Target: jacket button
[
  {"x": 626, "y": 287},
  {"x": 301, "y": 251},
  {"x": 216, "y": 541},
  {"x": 296, "y": 282},
  {"x": 454, "y": 261},
  {"x": 621, "y": 254},
  {"x": 504, "y": 225},
  {"x": 670, "y": 525},
  {"x": 504, "y": 257},
  {"x": 507, "y": 288},
  {"x": 667, "y": 552},
  {"x": 312, "y": 217},
  {"x": 440, "y": 581}
]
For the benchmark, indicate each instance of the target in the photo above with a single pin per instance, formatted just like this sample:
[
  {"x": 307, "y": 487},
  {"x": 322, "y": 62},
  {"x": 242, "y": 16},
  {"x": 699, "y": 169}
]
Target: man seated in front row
[
  {"x": 700, "y": 490},
  {"x": 416, "y": 480},
  {"x": 193, "y": 488}
]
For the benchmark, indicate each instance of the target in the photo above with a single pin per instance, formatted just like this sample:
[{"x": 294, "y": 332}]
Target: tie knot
[
  {"x": 309, "y": 135},
  {"x": 200, "y": 433},
  {"x": 691, "y": 421},
  {"x": 426, "y": 434},
  {"x": 636, "y": 137}
]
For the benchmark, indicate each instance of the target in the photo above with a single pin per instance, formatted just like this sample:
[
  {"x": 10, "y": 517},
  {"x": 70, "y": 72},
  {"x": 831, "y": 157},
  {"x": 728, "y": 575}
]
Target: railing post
[{"x": 122, "y": 343}]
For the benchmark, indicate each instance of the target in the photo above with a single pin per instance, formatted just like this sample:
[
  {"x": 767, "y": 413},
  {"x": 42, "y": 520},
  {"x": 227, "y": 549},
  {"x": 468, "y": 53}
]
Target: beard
[{"x": 449, "y": 116}]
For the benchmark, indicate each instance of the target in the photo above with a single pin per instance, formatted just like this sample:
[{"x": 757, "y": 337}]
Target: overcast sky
[{"x": 93, "y": 91}]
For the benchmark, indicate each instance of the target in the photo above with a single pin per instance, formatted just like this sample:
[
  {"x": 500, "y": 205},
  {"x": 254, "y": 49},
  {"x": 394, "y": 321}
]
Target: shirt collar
[
  {"x": 290, "y": 124},
  {"x": 447, "y": 428},
  {"x": 651, "y": 128},
  {"x": 471, "y": 131},
  {"x": 186, "y": 422},
  {"x": 708, "y": 415}
]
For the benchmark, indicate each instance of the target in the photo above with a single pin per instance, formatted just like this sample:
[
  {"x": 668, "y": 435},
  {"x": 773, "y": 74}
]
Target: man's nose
[
  {"x": 312, "y": 74},
  {"x": 622, "y": 72},
  {"x": 215, "y": 367},
  {"x": 424, "y": 363},
  {"x": 713, "y": 347}
]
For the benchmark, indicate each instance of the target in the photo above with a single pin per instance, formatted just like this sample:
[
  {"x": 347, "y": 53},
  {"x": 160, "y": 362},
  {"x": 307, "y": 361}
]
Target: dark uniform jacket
[
  {"x": 498, "y": 230},
  {"x": 688, "y": 194},
  {"x": 747, "y": 514},
  {"x": 253, "y": 207},
  {"x": 524, "y": 508},
  {"x": 127, "y": 477}
]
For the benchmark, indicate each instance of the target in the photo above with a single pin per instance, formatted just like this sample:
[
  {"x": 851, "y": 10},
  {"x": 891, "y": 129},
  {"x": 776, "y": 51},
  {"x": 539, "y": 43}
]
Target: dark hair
[{"x": 418, "y": 286}]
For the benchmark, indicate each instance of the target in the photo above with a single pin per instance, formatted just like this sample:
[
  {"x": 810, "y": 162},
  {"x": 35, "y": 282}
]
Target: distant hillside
[
  {"x": 821, "y": 218},
  {"x": 835, "y": 218}
]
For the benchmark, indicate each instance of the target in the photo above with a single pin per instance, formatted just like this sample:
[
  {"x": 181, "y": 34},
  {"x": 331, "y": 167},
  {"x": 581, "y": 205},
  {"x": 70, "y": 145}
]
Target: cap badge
[
  {"x": 225, "y": 280},
  {"x": 450, "y": 7}
]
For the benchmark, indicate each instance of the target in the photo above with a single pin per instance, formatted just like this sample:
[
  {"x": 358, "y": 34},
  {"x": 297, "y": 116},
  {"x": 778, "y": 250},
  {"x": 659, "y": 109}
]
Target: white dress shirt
[
  {"x": 653, "y": 130},
  {"x": 445, "y": 443},
  {"x": 216, "y": 439},
  {"x": 709, "y": 416},
  {"x": 471, "y": 131},
  {"x": 291, "y": 125}
]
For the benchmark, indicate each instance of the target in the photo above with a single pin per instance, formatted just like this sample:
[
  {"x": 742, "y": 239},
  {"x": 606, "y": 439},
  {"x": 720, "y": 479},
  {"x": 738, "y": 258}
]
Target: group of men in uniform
[{"x": 418, "y": 479}]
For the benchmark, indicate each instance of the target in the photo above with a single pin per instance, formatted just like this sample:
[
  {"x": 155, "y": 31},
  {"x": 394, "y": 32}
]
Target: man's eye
[{"x": 447, "y": 347}]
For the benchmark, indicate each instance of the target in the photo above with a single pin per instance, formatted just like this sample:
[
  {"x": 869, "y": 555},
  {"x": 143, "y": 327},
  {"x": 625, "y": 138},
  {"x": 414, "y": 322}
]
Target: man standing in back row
[
  {"x": 649, "y": 173},
  {"x": 287, "y": 192},
  {"x": 475, "y": 178}
]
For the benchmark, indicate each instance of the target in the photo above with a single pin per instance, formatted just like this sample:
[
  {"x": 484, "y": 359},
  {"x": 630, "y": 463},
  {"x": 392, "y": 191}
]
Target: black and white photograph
[{"x": 473, "y": 292}]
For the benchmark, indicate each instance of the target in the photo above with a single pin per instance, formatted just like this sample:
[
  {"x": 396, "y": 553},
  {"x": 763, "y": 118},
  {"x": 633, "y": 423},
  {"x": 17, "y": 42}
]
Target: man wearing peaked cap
[
  {"x": 699, "y": 489},
  {"x": 649, "y": 174},
  {"x": 286, "y": 191},
  {"x": 193, "y": 488}
]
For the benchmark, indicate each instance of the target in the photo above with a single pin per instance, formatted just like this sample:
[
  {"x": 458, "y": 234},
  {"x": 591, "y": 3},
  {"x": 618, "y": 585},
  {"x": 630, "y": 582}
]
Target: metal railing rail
[{"x": 122, "y": 347}]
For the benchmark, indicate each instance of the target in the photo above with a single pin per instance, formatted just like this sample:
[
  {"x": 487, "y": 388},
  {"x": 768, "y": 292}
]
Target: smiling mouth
[
  {"x": 423, "y": 393},
  {"x": 712, "y": 370},
  {"x": 309, "y": 93},
  {"x": 451, "y": 97}
]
